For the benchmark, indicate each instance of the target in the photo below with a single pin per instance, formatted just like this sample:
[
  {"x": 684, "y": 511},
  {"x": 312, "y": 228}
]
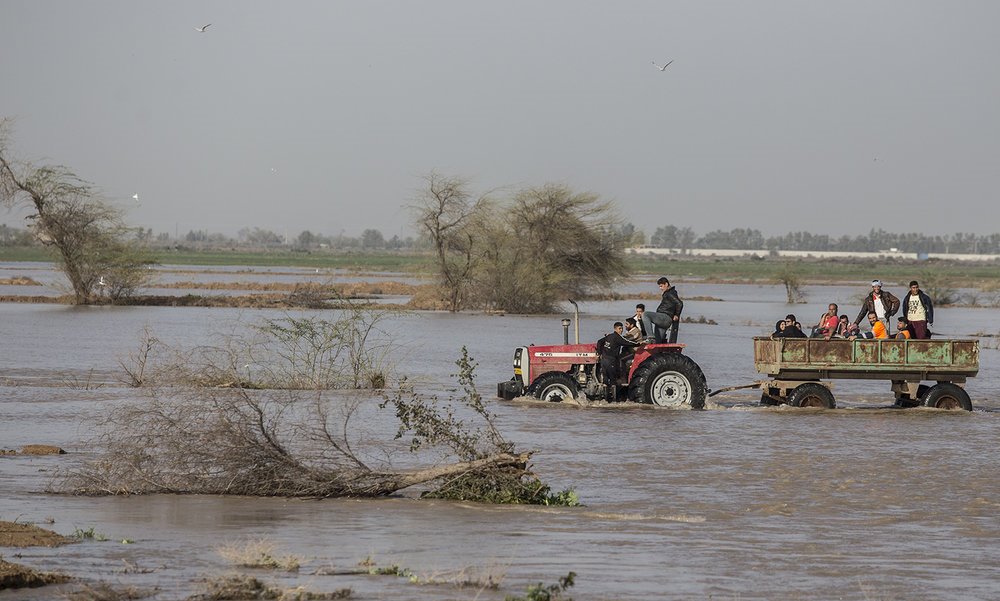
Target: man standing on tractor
[{"x": 668, "y": 315}]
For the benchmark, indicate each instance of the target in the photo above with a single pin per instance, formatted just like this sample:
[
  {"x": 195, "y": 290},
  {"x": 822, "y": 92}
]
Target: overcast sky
[{"x": 833, "y": 117}]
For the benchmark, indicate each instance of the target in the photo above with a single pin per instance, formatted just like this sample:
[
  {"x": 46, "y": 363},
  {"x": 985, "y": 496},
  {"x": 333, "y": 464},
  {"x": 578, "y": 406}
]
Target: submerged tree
[
  {"x": 553, "y": 244},
  {"x": 524, "y": 255},
  {"x": 790, "y": 278},
  {"x": 96, "y": 250}
]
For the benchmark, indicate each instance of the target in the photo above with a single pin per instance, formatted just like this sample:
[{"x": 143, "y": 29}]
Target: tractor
[{"x": 657, "y": 374}]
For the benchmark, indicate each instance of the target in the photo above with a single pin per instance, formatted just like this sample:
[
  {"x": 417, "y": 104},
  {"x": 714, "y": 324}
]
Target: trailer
[{"x": 931, "y": 373}]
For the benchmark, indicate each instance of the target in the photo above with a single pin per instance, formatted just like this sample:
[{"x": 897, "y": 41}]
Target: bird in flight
[
  {"x": 135, "y": 197},
  {"x": 664, "y": 67},
  {"x": 203, "y": 28}
]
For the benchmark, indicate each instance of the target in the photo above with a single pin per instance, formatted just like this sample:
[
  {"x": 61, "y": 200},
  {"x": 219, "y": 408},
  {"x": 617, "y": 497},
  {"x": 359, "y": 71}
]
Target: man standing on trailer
[
  {"x": 668, "y": 315},
  {"x": 919, "y": 311},
  {"x": 880, "y": 302}
]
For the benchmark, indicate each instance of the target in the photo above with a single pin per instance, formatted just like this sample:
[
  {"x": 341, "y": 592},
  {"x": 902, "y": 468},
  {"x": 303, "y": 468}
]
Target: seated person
[
  {"x": 779, "y": 329},
  {"x": 878, "y": 328},
  {"x": 632, "y": 331},
  {"x": 843, "y": 327},
  {"x": 828, "y": 322},
  {"x": 903, "y": 329},
  {"x": 793, "y": 329}
]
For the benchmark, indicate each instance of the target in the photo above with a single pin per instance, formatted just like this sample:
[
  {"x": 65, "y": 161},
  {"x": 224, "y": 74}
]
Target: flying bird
[
  {"x": 203, "y": 28},
  {"x": 664, "y": 67},
  {"x": 135, "y": 197}
]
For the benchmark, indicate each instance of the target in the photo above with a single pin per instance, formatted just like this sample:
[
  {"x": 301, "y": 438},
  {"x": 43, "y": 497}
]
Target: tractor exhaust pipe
[{"x": 576, "y": 319}]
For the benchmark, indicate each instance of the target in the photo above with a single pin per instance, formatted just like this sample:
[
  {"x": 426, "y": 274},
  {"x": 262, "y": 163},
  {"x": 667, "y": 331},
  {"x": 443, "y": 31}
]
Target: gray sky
[{"x": 833, "y": 117}]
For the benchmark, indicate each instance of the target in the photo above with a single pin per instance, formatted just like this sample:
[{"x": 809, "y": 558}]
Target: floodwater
[{"x": 734, "y": 502}]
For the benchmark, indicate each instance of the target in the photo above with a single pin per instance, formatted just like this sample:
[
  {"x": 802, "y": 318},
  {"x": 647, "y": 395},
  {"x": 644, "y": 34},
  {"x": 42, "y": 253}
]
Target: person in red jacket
[{"x": 828, "y": 323}]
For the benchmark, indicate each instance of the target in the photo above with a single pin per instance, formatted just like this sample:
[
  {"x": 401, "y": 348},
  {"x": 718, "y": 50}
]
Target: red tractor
[{"x": 656, "y": 373}]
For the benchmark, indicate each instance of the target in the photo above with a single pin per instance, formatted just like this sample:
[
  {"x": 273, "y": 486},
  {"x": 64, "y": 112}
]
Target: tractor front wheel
[{"x": 555, "y": 387}]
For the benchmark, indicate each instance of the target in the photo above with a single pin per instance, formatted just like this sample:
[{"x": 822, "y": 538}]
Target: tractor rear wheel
[
  {"x": 555, "y": 386},
  {"x": 669, "y": 380}
]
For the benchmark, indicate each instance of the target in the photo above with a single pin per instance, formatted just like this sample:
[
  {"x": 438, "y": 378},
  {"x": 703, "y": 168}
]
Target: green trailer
[{"x": 931, "y": 373}]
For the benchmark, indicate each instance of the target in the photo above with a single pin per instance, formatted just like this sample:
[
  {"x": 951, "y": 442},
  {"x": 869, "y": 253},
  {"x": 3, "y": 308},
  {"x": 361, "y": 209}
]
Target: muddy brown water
[{"x": 735, "y": 502}]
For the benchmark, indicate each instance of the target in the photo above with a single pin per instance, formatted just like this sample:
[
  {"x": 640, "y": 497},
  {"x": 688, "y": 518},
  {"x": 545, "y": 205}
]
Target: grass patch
[
  {"x": 371, "y": 568},
  {"x": 240, "y": 586},
  {"x": 88, "y": 534},
  {"x": 258, "y": 553},
  {"x": 103, "y": 591}
]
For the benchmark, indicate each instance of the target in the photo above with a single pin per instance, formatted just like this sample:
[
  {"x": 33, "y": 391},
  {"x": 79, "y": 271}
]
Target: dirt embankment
[
  {"x": 14, "y": 534},
  {"x": 18, "y": 281}
]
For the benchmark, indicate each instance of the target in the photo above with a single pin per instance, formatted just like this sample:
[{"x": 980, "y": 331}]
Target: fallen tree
[{"x": 304, "y": 440}]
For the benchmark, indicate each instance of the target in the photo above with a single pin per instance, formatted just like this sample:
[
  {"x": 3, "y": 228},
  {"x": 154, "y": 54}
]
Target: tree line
[{"x": 685, "y": 238}]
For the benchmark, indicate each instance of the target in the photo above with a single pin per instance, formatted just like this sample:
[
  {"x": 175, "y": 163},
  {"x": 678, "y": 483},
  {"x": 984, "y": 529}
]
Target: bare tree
[
  {"x": 448, "y": 215},
  {"x": 90, "y": 236}
]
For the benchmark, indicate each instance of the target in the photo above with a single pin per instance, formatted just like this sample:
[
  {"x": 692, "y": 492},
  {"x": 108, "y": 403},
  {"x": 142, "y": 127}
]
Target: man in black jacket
[
  {"x": 610, "y": 350},
  {"x": 668, "y": 314},
  {"x": 919, "y": 311}
]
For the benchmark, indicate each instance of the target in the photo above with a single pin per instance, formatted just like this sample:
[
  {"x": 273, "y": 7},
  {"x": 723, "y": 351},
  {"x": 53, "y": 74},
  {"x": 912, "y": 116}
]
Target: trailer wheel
[
  {"x": 555, "y": 387},
  {"x": 812, "y": 394},
  {"x": 669, "y": 380},
  {"x": 948, "y": 396}
]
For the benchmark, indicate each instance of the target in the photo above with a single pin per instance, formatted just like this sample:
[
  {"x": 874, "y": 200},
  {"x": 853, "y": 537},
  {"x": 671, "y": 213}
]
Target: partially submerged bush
[
  {"x": 503, "y": 486},
  {"x": 350, "y": 351},
  {"x": 552, "y": 592}
]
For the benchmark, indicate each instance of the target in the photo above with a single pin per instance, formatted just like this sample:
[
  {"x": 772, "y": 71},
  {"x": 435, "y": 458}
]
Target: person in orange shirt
[
  {"x": 878, "y": 328},
  {"x": 903, "y": 329}
]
